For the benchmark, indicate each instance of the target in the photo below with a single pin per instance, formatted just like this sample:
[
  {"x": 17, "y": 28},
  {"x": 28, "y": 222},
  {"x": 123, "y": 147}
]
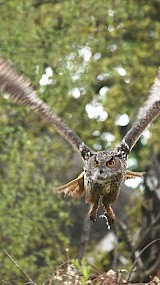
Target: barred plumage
[
  {"x": 104, "y": 171},
  {"x": 21, "y": 92}
]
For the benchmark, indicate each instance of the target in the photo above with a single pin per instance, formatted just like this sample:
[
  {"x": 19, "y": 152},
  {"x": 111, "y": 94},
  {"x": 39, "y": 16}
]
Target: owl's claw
[{"x": 107, "y": 223}]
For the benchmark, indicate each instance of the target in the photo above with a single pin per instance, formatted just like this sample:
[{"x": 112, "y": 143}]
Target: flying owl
[{"x": 104, "y": 171}]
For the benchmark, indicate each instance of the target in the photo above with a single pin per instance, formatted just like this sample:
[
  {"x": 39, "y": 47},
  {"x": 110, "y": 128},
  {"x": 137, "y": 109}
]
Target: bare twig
[
  {"x": 152, "y": 268},
  {"x": 148, "y": 245},
  {"x": 125, "y": 232},
  {"x": 21, "y": 270},
  {"x": 146, "y": 233},
  {"x": 6, "y": 283}
]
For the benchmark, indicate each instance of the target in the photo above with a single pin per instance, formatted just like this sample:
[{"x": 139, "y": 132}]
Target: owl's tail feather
[{"x": 74, "y": 188}]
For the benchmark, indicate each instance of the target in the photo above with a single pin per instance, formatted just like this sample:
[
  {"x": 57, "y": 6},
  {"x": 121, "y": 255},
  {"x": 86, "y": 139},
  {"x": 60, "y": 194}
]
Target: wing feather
[
  {"x": 74, "y": 188},
  {"x": 132, "y": 174},
  {"x": 22, "y": 92},
  {"x": 148, "y": 114}
]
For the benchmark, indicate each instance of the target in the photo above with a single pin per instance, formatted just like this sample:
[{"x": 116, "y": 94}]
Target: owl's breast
[
  {"x": 96, "y": 189},
  {"x": 112, "y": 184}
]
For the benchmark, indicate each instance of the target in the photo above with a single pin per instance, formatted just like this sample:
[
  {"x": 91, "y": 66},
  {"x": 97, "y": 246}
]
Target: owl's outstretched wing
[
  {"x": 74, "y": 188},
  {"x": 131, "y": 174},
  {"x": 147, "y": 115},
  {"x": 21, "y": 92}
]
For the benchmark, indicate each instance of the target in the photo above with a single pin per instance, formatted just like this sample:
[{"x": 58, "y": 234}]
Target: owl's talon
[{"x": 107, "y": 223}]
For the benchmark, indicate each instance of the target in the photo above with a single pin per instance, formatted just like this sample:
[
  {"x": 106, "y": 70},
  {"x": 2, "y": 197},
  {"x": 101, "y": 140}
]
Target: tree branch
[
  {"x": 20, "y": 269},
  {"x": 135, "y": 262}
]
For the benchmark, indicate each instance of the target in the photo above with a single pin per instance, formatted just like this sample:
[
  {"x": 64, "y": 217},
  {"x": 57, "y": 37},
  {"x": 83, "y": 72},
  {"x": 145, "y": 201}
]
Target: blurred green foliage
[{"x": 88, "y": 45}]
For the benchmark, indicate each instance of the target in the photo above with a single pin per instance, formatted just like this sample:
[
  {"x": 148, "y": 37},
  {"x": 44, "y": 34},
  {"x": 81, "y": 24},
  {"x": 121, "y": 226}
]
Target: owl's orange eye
[
  {"x": 110, "y": 163},
  {"x": 96, "y": 163}
]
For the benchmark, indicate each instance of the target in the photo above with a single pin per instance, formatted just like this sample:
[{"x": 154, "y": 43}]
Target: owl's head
[{"x": 103, "y": 165}]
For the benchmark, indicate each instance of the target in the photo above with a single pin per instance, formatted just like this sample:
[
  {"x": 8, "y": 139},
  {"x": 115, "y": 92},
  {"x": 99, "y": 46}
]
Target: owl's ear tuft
[{"x": 74, "y": 188}]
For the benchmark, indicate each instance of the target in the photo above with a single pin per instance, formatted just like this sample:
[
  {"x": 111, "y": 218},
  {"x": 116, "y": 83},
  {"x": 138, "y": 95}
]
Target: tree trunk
[{"x": 149, "y": 242}]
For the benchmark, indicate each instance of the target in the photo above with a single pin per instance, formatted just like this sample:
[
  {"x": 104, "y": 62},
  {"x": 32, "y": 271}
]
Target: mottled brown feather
[
  {"x": 20, "y": 90},
  {"x": 131, "y": 174},
  {"x": 74, "y": 188}
]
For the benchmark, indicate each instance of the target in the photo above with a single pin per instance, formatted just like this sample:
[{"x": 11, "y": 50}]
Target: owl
[{"x": 104, "y": 171}]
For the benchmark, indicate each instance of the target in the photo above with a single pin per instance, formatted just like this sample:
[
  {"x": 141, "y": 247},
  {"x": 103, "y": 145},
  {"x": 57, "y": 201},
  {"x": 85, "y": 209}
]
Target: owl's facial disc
[{"x": 103, "y": 167}]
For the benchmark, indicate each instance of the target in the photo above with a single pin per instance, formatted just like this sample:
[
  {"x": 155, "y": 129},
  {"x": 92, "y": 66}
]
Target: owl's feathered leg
[
  {"x": 94, "y": 208},
  {"x": 93, "y": 212},
  {"x": 107, "y": 200}
]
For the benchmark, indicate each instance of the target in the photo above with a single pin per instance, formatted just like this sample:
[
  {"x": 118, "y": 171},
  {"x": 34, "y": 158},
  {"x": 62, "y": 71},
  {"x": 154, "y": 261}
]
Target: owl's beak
[{"x": 101, "y": 171}]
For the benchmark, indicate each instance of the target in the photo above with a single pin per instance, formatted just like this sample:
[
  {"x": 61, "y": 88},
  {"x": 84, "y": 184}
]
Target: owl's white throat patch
[{"x": 100, "y": 178}]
